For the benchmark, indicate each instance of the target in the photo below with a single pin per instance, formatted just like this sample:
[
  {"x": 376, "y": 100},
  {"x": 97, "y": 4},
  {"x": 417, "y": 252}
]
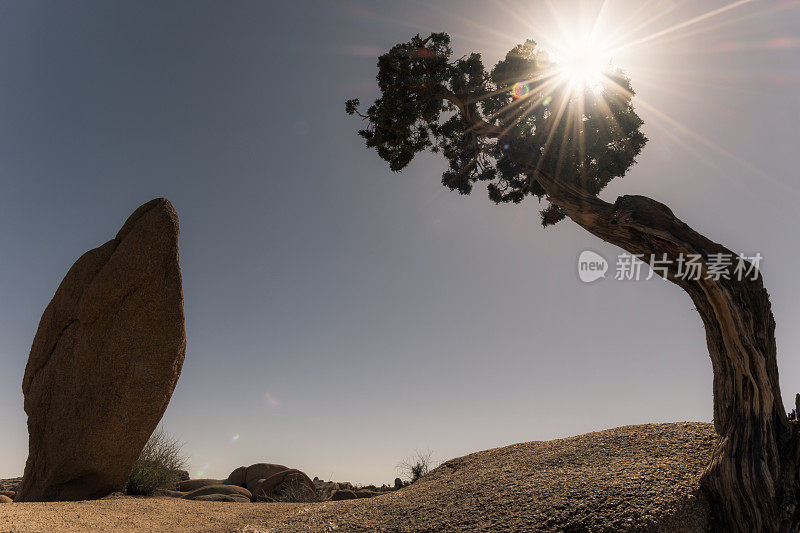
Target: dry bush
[
  {"x": 416, "y": 466},
  {"x": 158, "y": 464}
]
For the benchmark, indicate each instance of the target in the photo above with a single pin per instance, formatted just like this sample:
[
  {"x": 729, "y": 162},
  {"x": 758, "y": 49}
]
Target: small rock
[
  {"x": 225, "y": 490},
  {"x": 343, "y": 494},
  {"x": 5, "y": 499},
  {"x": 325, "y": 487},
  {"x": 11, "y": 484},
  {"x": 170, "y": 493},
  {"x": 233, "y": 498},
  {"x": 194, "y": 484}
]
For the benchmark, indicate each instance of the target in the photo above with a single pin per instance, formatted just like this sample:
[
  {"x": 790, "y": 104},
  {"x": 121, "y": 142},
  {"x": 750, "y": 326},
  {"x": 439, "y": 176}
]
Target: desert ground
[{"x": 633, "y": 478}]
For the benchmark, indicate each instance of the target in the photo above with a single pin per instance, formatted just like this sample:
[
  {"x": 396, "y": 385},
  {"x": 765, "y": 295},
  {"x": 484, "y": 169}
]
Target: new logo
[{"x": 591, "y": 266}]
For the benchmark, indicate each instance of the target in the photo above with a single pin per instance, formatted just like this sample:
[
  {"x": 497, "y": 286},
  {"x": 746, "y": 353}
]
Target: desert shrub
[
  {"x": 416, "y": 466},
  {"x": 158, "y": 464}
]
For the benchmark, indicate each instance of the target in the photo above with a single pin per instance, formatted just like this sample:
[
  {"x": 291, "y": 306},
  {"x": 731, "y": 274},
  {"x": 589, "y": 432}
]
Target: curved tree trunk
[{"x": 752, "y": 481}]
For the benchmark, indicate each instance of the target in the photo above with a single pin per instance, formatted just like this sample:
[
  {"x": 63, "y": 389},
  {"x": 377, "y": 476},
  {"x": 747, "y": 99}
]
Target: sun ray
[
  {"x": 626, "y": 29},
  {"x": 594, "y": 34},
  {"x": 555, "y": 122},
  {"x": 684, "y": 24},
  {"x": 685, "y": 130}
]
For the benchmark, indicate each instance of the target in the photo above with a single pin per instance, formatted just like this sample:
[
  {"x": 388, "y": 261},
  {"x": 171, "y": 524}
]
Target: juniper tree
[{"x": 523, "y": 131}]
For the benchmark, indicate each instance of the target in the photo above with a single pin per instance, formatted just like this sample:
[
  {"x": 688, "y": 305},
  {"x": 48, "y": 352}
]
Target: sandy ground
[
  {"x": 635, "y": 478},
  {"x": 137, "y": 514}
]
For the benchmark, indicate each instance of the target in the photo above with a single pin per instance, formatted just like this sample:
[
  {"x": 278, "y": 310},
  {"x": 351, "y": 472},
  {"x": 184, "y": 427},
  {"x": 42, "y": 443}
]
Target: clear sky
[{"x": 340, "y": 317}]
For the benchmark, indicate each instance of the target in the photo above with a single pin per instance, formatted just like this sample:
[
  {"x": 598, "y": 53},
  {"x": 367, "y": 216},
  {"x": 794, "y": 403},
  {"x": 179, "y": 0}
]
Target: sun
[{"x": 583, "y": 65}]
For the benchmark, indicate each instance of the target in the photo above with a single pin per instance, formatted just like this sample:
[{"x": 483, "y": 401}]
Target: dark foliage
[{"x": 503, "y": 126}]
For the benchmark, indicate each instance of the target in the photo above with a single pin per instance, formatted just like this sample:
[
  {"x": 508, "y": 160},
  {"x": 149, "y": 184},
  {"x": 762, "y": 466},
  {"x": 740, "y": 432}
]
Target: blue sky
[{"x": 340, "y": 316}]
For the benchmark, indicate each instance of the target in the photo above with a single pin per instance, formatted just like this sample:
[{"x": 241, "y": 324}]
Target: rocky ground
[{"x": 634, "y": 478}]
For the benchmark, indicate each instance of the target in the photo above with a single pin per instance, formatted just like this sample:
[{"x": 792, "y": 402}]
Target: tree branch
[{"x": 470, "y": 115}]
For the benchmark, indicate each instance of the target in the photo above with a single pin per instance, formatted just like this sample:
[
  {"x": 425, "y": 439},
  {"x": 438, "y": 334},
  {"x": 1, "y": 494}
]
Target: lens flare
[
  {"x": 547, "y": 100},
  {"x": 543, "y": 60},
  {"x": 235, "y": 438},
  {"x": 520, "y": 90},
  {"x": 271, "y": 400}
]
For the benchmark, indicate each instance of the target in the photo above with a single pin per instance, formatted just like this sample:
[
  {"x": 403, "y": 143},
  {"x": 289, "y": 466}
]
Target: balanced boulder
[{"x": 104, "y": 361}]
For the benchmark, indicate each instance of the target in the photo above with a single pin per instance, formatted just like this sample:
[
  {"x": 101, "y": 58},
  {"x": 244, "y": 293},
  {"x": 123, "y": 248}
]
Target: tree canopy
[{"x": 506, "y": 127}]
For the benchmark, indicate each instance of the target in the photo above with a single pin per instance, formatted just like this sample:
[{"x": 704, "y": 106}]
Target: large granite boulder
[
  {"x": 238, "y": 477},
  {"x": 290, "y": 484},
  {"x": 104, "y": 361},
  {"x": 256, "y": 472},
  {"x": 227, "y": 490},
  {"x": 267, "y": 481}
]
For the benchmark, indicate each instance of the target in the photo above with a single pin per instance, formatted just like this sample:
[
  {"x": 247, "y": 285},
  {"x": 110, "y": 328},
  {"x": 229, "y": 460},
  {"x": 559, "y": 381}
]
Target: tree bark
[{"x": 752, "y": 481}]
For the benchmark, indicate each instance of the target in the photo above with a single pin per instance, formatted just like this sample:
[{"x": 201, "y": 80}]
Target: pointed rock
[{"x": 104, "y": 361}]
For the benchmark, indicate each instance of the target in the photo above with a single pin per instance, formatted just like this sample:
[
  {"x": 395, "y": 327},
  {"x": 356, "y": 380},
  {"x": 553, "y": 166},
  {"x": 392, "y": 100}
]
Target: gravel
[{"x": 635, "y": 478}]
